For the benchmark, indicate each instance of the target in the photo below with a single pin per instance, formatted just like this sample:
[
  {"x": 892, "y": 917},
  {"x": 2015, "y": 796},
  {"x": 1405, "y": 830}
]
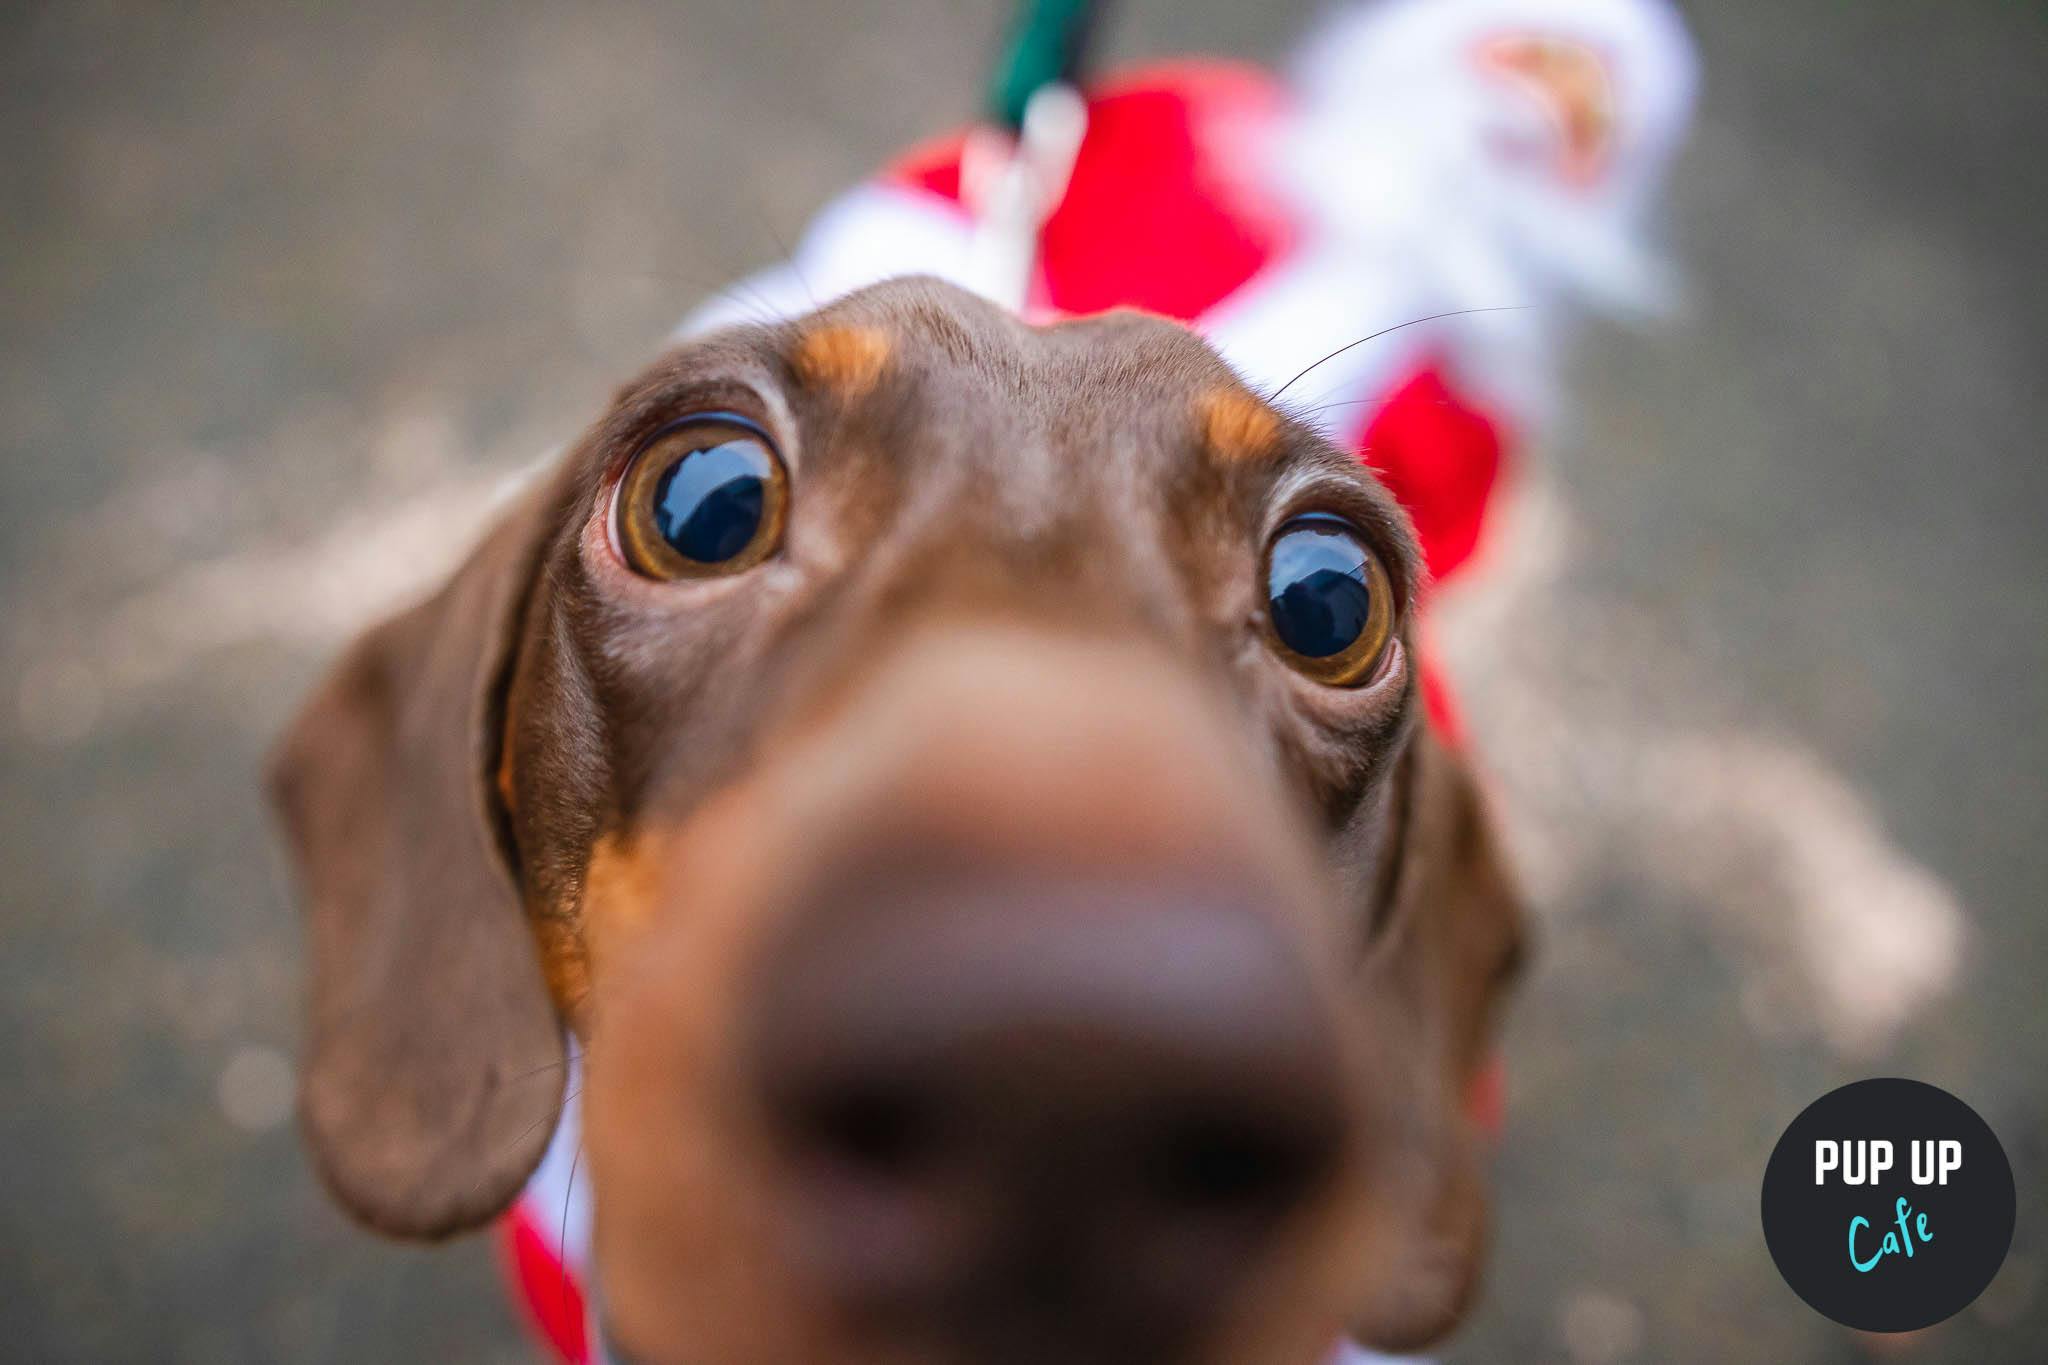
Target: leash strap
[
  {"x": 1047, "y": 45},
  {"x": 1011, "y": 185},
  {"x": 1014, "y": 169}
]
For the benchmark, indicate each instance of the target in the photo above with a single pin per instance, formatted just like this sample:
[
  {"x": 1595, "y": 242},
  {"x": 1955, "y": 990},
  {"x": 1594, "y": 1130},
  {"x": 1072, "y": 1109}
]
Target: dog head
[{"x": 962, "y": 783}]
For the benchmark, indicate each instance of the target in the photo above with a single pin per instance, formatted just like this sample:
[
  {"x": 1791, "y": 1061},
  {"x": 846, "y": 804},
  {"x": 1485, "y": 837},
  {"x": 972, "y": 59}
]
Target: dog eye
[
  {"x": 703, "y": 498},
  {"x": 1329, "y": 601}
]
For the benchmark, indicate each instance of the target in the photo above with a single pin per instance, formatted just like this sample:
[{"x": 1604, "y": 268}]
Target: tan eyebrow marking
[
  {"x": 848, "y": 359},
  {"x": 1237, "y": 426}
]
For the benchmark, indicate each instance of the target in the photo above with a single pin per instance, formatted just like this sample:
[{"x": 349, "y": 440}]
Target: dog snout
[
  {"x": 1032, "y": 1109},
  {"x": 1017, "y": 999}
]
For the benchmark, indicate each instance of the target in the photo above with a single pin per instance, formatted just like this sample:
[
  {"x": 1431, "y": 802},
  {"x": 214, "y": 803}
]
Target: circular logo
[{"x": 1888, "y": 1205}]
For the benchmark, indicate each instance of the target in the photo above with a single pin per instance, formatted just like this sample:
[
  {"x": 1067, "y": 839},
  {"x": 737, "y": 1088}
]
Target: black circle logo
[{"x": 1888, "y": 1205}]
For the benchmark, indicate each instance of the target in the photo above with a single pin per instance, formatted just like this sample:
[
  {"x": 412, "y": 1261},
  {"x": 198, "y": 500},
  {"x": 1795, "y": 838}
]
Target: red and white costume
[{"x": 1429, "y": 157}]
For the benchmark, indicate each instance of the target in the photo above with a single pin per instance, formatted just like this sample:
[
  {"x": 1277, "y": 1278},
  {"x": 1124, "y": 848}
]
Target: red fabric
[
  {"x": 550, "y": 1295},
  {"x": 1441, "y": 456},
  {"x": 1487, "y": 1100},
  {"x": 1439, "y": 703},
  {"x": 1147, "y": 222}
]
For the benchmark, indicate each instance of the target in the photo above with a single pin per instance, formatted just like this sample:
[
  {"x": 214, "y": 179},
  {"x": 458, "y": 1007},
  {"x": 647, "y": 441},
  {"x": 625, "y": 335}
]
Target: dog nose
[{"x": 1044, "y": 1118}]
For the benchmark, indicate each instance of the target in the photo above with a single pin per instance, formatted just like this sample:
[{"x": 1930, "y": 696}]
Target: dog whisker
[
  {"x": 742, "y": 292},
  {"x": 1314, "y": 416},
  {"x": 1274, "y": 397},
  {"x": 570, "y": 1060},
  {"x": 562, "y": 1237},
  {"x": 553, "y": 1116},
  {"x": 782, "y": 246}
]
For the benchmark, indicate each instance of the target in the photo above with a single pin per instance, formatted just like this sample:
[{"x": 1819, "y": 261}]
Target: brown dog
[{"x": 962, "y": 784}]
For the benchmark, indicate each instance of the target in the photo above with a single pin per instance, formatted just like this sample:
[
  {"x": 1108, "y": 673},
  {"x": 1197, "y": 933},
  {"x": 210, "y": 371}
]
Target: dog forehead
[{"x": 1123, "y": 366}]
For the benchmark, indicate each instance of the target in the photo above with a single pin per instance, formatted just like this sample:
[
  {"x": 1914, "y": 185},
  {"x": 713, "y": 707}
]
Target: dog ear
[
  {"x": 432, "y": 1058},
  {"x": 1457, "y": 891},
  {"x": 1452, "y": 944}
]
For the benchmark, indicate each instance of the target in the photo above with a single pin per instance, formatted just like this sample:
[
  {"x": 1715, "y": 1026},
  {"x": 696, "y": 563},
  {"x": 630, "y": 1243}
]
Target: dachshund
[{"x": 961, "y": 786}]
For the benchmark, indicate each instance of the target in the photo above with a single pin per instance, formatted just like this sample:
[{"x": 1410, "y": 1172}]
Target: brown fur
[{"x": 1013, "y": 617}]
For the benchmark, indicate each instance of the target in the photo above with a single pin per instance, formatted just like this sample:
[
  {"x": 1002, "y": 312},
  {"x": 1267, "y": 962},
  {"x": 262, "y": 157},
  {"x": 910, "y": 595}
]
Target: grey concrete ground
[{"x": 286, "y": 288}]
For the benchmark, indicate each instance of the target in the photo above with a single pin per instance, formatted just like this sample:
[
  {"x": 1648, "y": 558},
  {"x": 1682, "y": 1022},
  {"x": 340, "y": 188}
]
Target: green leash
[{"x": 1047, "y": 43}]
